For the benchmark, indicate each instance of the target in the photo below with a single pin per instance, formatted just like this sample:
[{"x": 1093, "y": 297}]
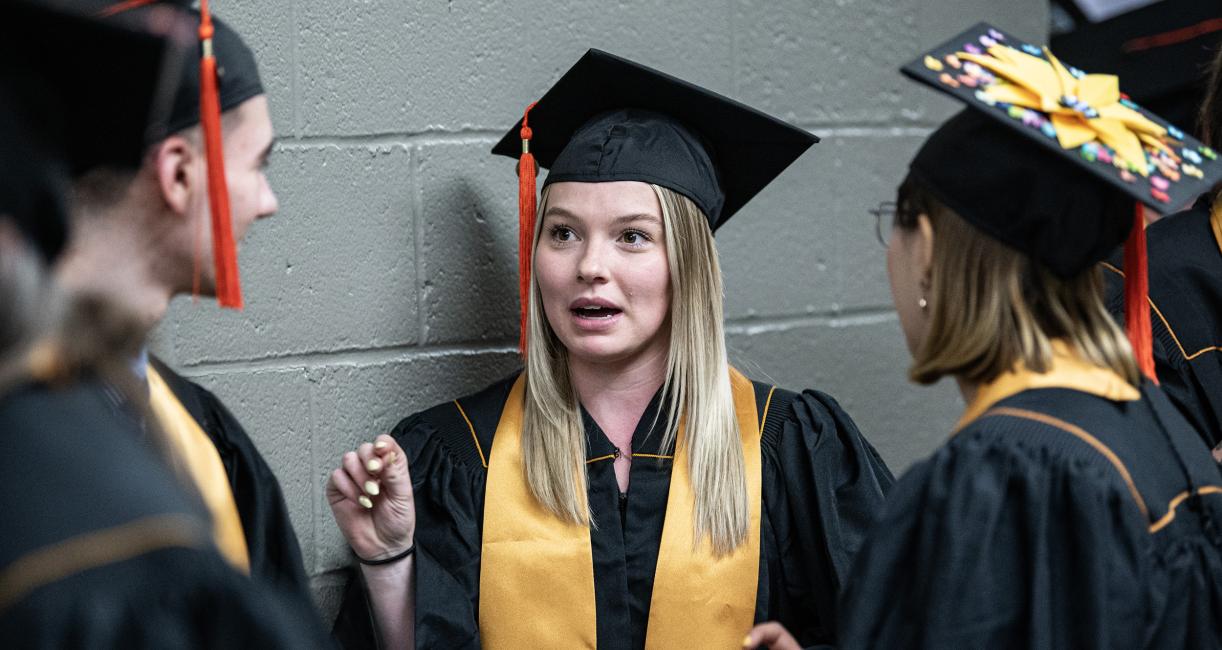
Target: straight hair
[{"x": 696, "y": 390}]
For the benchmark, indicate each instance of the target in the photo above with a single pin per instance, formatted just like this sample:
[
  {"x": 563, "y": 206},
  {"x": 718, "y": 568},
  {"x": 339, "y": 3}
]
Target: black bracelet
[{"x": 411, "y": 549}]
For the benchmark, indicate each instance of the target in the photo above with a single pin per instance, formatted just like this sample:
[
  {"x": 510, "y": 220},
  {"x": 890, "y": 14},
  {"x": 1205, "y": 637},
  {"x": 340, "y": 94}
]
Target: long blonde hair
[
  {"x": 697, "y": 391},
  {"x": 991, "y": 306}
]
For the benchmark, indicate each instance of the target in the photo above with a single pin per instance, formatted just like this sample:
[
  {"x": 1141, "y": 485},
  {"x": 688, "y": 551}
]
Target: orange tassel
[
  {"x": 224, "y": 249},
  {"x": 1136, "y": 297},
  {"x": 527, "y": 207}
]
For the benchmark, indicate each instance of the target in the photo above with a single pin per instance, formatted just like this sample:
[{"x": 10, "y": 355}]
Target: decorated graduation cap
[
  {"x": 223, "y": 76},
  {"x": 1051, "y": 160},
  {"x": 52, "y": 125},
  {"x": 611, "y": 119}
]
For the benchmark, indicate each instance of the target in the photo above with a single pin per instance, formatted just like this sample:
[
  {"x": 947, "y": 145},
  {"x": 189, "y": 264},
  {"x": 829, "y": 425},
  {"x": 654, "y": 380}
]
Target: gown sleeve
[
  {"x": 996, "y": 543},
  {"x": 449, "y": 494},
  {"x": 824, "y": 485}
]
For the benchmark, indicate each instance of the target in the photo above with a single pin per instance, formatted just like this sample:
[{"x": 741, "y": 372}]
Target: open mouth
[{"x": 595, "y": 312}]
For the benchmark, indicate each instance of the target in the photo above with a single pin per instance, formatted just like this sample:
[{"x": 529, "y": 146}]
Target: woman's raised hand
[{"x": 371, "y": 499}]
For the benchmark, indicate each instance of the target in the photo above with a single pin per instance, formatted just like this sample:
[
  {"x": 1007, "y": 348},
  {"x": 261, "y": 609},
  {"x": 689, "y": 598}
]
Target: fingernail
[
  {"x": 371, "y": 488},
  {"x": 373, "y": 465},
  {"x": 390, "y": 458},
  {"x": 365, "y": 502},
  {"x": 381, "y": 444},
  {"x": 747, "y": 641}
]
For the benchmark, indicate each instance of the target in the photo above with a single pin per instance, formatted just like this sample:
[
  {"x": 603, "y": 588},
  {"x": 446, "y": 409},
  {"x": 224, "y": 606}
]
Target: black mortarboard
[
  {"x": 1049, "y": 160},
  {"x": 237, "y": 77},
  {"x": 1014, "y": 191},
  {"x": 610, "y": 119},
  {"x": 238, "y": 73},
  {"x": 87, "y": 98}
]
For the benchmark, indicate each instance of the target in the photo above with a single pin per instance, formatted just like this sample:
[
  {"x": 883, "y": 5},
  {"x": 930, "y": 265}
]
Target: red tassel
[
  {"x": 120, "y": 7},
  {"x": 527, "y": 206},
  {"x": 224, "y": 250},
  {"x": 1136, "y": 297}
]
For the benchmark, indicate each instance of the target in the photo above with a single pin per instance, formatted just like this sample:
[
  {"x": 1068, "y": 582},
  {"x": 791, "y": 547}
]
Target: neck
[
  {"x": 967, "y": 389},
  {"x": 617, "y": 393},
  {"x": 117, "y": 256}
]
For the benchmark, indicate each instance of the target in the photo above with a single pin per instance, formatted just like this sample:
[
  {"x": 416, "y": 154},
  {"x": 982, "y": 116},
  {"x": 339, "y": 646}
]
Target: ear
[
  {"x": 924, "y": 248},
  {"x": 177, "y": 170}
]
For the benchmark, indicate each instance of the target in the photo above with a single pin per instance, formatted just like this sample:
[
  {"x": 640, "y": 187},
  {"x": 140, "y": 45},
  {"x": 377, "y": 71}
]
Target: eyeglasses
[{"x": 884, "y": 221}]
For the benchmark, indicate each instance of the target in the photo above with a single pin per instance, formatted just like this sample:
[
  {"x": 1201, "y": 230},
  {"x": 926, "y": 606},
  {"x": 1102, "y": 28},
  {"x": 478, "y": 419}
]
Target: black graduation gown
[
  {"x": 822, "y": 486},
  {"x": 101, "y": 548},
  {"x": 1185, "y": 270},
  {"x": 1019, "y": 534},
  {"x": 275, "y": 554}
]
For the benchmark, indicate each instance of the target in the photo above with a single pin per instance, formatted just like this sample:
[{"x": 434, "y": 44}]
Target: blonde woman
[
  {"x": 629, "y": 489},
  {"x": 1072, "y": 506}
]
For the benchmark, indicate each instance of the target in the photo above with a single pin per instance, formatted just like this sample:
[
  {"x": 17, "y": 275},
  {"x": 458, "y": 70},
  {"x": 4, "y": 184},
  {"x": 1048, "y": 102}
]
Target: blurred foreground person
[
  {"x": 139, "y": 240},
  {"x": 101, "y": 547}
]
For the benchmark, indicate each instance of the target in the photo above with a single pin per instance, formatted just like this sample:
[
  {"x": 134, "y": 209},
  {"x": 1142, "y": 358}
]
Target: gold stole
[
  {"x": 193, "y": 450},
  {"x": 537, "y": 572}
]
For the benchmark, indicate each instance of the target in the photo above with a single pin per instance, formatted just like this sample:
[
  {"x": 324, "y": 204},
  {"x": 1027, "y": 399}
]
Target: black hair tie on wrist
[{"x": 388, "y": 560}]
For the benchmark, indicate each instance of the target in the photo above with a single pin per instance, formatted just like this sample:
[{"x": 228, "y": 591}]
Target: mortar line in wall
[
  {"x": 418, "y": 241},
  {"x": 383, "y": 354},
  {"x": 332, "y": 577},
  {"x": 295, "y": 13},
  {"x": 392, "y": 139},
  {"x": 732, "y": 18},
  {"x": 822, "y": 315},
  {"x": 315, "y": 502},
  {"x": 487, "y": 136},
  {"x": 848, "y": 318},
  {"x": 344, "y": 357},
  {"x": 870, "y": 130}
]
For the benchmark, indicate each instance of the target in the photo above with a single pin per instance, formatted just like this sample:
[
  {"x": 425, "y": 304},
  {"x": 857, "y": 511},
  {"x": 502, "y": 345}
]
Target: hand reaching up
[{"x": 371, "y": 499}]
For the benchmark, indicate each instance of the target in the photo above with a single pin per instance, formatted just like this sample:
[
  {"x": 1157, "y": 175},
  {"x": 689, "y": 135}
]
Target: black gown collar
[{"x": 646, "y": 438}]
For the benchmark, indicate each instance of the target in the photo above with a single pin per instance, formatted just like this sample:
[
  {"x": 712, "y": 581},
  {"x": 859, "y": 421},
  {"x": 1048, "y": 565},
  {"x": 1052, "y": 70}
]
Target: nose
[
  {"x": 268, "y": 203},
  {"x": 591, "y": 267}
]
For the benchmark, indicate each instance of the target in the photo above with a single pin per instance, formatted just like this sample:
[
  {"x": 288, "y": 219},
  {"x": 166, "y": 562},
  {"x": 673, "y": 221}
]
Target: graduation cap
[
  {"x": 223, "y": 76},
  {"x": 611, "y": 119},
  {"x": 52, "y": 122},
  {"x": 1049, "y": 160}
]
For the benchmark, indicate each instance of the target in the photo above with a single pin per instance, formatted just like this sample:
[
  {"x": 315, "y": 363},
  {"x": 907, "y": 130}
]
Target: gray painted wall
[{"x": 386, "y": 283}]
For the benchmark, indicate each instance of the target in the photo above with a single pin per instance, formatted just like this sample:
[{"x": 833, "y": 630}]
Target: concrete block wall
[{"x": 386, "y": 282}]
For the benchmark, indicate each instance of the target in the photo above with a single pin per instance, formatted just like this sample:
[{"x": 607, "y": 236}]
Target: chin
[{"x": 600, "y": 351}]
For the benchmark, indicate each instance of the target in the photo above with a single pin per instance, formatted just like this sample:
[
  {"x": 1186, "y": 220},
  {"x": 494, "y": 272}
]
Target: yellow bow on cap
[{"x": 1083, "y": 108}]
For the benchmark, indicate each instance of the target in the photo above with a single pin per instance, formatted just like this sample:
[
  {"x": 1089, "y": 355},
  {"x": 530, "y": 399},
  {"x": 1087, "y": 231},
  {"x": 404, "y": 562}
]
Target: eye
[
  {"x": 562, "y": 233},
  {"x": 634, "y": 237}
]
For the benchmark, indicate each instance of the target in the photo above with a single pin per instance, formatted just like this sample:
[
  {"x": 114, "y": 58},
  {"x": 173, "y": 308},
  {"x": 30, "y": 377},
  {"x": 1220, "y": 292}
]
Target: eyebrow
[{"x": 627, "y": 218}]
